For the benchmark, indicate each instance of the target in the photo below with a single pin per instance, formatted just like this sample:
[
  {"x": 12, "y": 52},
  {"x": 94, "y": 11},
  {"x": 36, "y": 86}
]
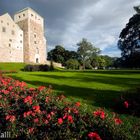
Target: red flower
[
  {"x": 99, "y": 113},
  {"x": 70, "y": 119},
  {"x": 36, "y": 120},
  {"x": 47, "y": 99},
  {"x": 126, "y": 104},
  {"x": 31, "y": 130},
  {"x": 5, "y": 91},
  {"x": 26, "y": 114},
  {"x": 94, "y": 136},
  {"x": 11, "y": 118},
  {"x": 65, "y": 116},
  {"x": 60, "y": 121},
  {"x": 41, "y": 88},
  {"x": 46, "y": 122},
  {"x": 77, "y": 104},
  {"x": 28, "y": 99},
  {"x": 117, "y": 121},
  {"x": 36, "y": 108}
]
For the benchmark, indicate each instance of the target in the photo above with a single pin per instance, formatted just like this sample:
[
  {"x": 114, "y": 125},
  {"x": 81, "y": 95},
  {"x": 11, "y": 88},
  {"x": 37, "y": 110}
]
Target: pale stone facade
[
  {"x": 34, "y": 42},
  {"x": 11, "y": 40}
]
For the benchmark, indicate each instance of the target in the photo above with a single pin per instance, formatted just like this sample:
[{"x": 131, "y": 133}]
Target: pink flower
[
  {"x": 36, "y": 120},
  {"x": 99, "y": 113},
  {"x": 126, "y": 104},
  {"x": 28, "y": 99},
  {"x": 60, "y": 120},
  {"x": 11, "y": 118},
  {"x": 70, "y": 119},
  {"x": 117, "y": 121},
  {"x": 41, "y": 88},
  {"x": 94, "y": 136},
  {"x": 31, "y": 130}
]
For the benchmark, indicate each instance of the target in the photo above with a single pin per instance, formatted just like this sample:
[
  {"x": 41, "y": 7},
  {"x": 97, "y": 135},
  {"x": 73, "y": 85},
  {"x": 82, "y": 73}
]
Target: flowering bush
[
  {"x": 37, "y": 113},
  {"x": 129, "y": 103}
]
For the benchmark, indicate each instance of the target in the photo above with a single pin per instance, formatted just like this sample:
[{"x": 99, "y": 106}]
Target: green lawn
[{"x": 96, "y": 88}]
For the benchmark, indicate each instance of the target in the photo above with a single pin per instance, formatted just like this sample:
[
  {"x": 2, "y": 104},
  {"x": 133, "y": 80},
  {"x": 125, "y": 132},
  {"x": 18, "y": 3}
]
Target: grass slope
[
  {"x": 97, "y": 88},
  {"x": 11, "y": 66}
]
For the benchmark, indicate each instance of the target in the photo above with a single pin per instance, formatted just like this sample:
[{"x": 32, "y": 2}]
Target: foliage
[
  {"x": 86, "y": 50},
  {"x": 60, "y": 55},
  {"x": 57, "y": 54},
  {"x": 129, "y": 102},
  {"x": 72, "y": 64},
  {"x": 37, "y": 113},
  {"x": 129, "y": 42},
  {"x": 38, "y": 68}
]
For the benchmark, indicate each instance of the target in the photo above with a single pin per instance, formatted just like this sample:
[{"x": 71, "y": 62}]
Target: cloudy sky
[{"x": 68, "y": 21}]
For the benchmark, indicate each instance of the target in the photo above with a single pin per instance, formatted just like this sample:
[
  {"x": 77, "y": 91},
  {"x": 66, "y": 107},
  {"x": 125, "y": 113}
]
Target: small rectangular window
[
  {"x": 9, "y": 45},
  {"x": 19, "y": 16},
  {"x": 10, "y": 40},
  {"x": 35, "y": 42},
  {"x": 3, "y": 29},
  {"x": 32, "y": 15},
  {"x": 13, "y": 32},
  {"x": 24, "y": 15},
  {"x": 34, "y": 35},
  {"x": 20, "y": 41},
  {"x": 1, "y": 21}
]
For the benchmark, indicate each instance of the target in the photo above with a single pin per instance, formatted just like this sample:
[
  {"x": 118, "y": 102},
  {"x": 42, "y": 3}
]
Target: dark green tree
[
  {"x": 129, "y": 41},
  {"x": 86, "y": 50},
  {"x": 57, "y": 54}
]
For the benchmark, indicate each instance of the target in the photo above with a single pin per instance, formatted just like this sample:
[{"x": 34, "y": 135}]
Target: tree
[
  {"x": 86, "y": 50},
  {"x": 72, "y": 64},
  {"x": 57, "y": 54},
  {"x": 129, "y": 41}
]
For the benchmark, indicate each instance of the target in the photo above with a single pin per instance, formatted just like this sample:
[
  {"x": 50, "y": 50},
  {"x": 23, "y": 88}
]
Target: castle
[{"x": 22, "y": 39}]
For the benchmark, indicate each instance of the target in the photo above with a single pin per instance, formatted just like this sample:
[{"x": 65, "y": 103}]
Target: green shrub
[
  {"x": 37, "y": 68},
  {"x": 72, "y": 64}
]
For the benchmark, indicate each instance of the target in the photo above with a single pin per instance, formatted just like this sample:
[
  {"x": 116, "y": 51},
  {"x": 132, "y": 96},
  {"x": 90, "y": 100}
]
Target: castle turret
[{"x": 32, "y": 25}]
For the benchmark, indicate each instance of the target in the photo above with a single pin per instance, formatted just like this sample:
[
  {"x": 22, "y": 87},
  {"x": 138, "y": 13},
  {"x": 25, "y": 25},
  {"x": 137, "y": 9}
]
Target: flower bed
[{"x": 37, "y": 113}]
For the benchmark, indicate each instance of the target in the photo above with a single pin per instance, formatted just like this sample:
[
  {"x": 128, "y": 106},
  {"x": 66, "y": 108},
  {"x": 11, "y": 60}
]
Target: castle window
[
  {"x": 37, "y": 50},
  {"x": 20, "y": 41},
  {"x": 20, "y": 34},
  {"x": 24, "y": 15},
  {"x": 7, "y": 23},
  {"x": 32, "y": 15},
  {"x": 34, "y": 35},
  {"x": 37, "y": 60},
  {"x": 13, "y": 32},
  {"x": 10, "y": 40},
  {"x": 19, "y": 16},
  {"x": 3, "y": 29},
  {"x": 1, "y": 21},
  {"x": 35, "y": 42},
  {"x": 9, "y": 45}
]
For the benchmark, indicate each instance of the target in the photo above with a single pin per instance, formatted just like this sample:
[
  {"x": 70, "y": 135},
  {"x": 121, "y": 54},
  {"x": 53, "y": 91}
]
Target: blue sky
[{"x": 68, "y": 21}]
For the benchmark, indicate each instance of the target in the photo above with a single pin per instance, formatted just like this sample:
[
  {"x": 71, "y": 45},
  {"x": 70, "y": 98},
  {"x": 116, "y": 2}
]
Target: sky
[{"x": 68, "y": 21}]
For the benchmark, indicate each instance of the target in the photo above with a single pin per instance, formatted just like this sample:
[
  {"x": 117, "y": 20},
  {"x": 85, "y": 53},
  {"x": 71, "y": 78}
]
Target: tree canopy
[
  {"x": 86, "y": 50},
  {"x": 129, "y": 42}
]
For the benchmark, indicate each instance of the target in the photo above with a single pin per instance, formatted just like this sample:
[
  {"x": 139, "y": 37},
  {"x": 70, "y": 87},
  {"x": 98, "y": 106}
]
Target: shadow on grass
[
  {"x": 96, "y": 97},
  {"x": 125, "y": 82}
]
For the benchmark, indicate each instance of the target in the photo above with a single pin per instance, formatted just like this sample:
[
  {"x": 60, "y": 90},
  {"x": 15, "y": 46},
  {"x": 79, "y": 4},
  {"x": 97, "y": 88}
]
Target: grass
[
  {"x": 99, "y": 88},
  {"x": 11, "y": 66},
  {"x": 96, "y": 88}
]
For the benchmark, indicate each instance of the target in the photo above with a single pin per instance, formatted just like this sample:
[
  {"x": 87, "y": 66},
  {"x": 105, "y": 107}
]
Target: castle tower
[{"x": 34, "y": 41}]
